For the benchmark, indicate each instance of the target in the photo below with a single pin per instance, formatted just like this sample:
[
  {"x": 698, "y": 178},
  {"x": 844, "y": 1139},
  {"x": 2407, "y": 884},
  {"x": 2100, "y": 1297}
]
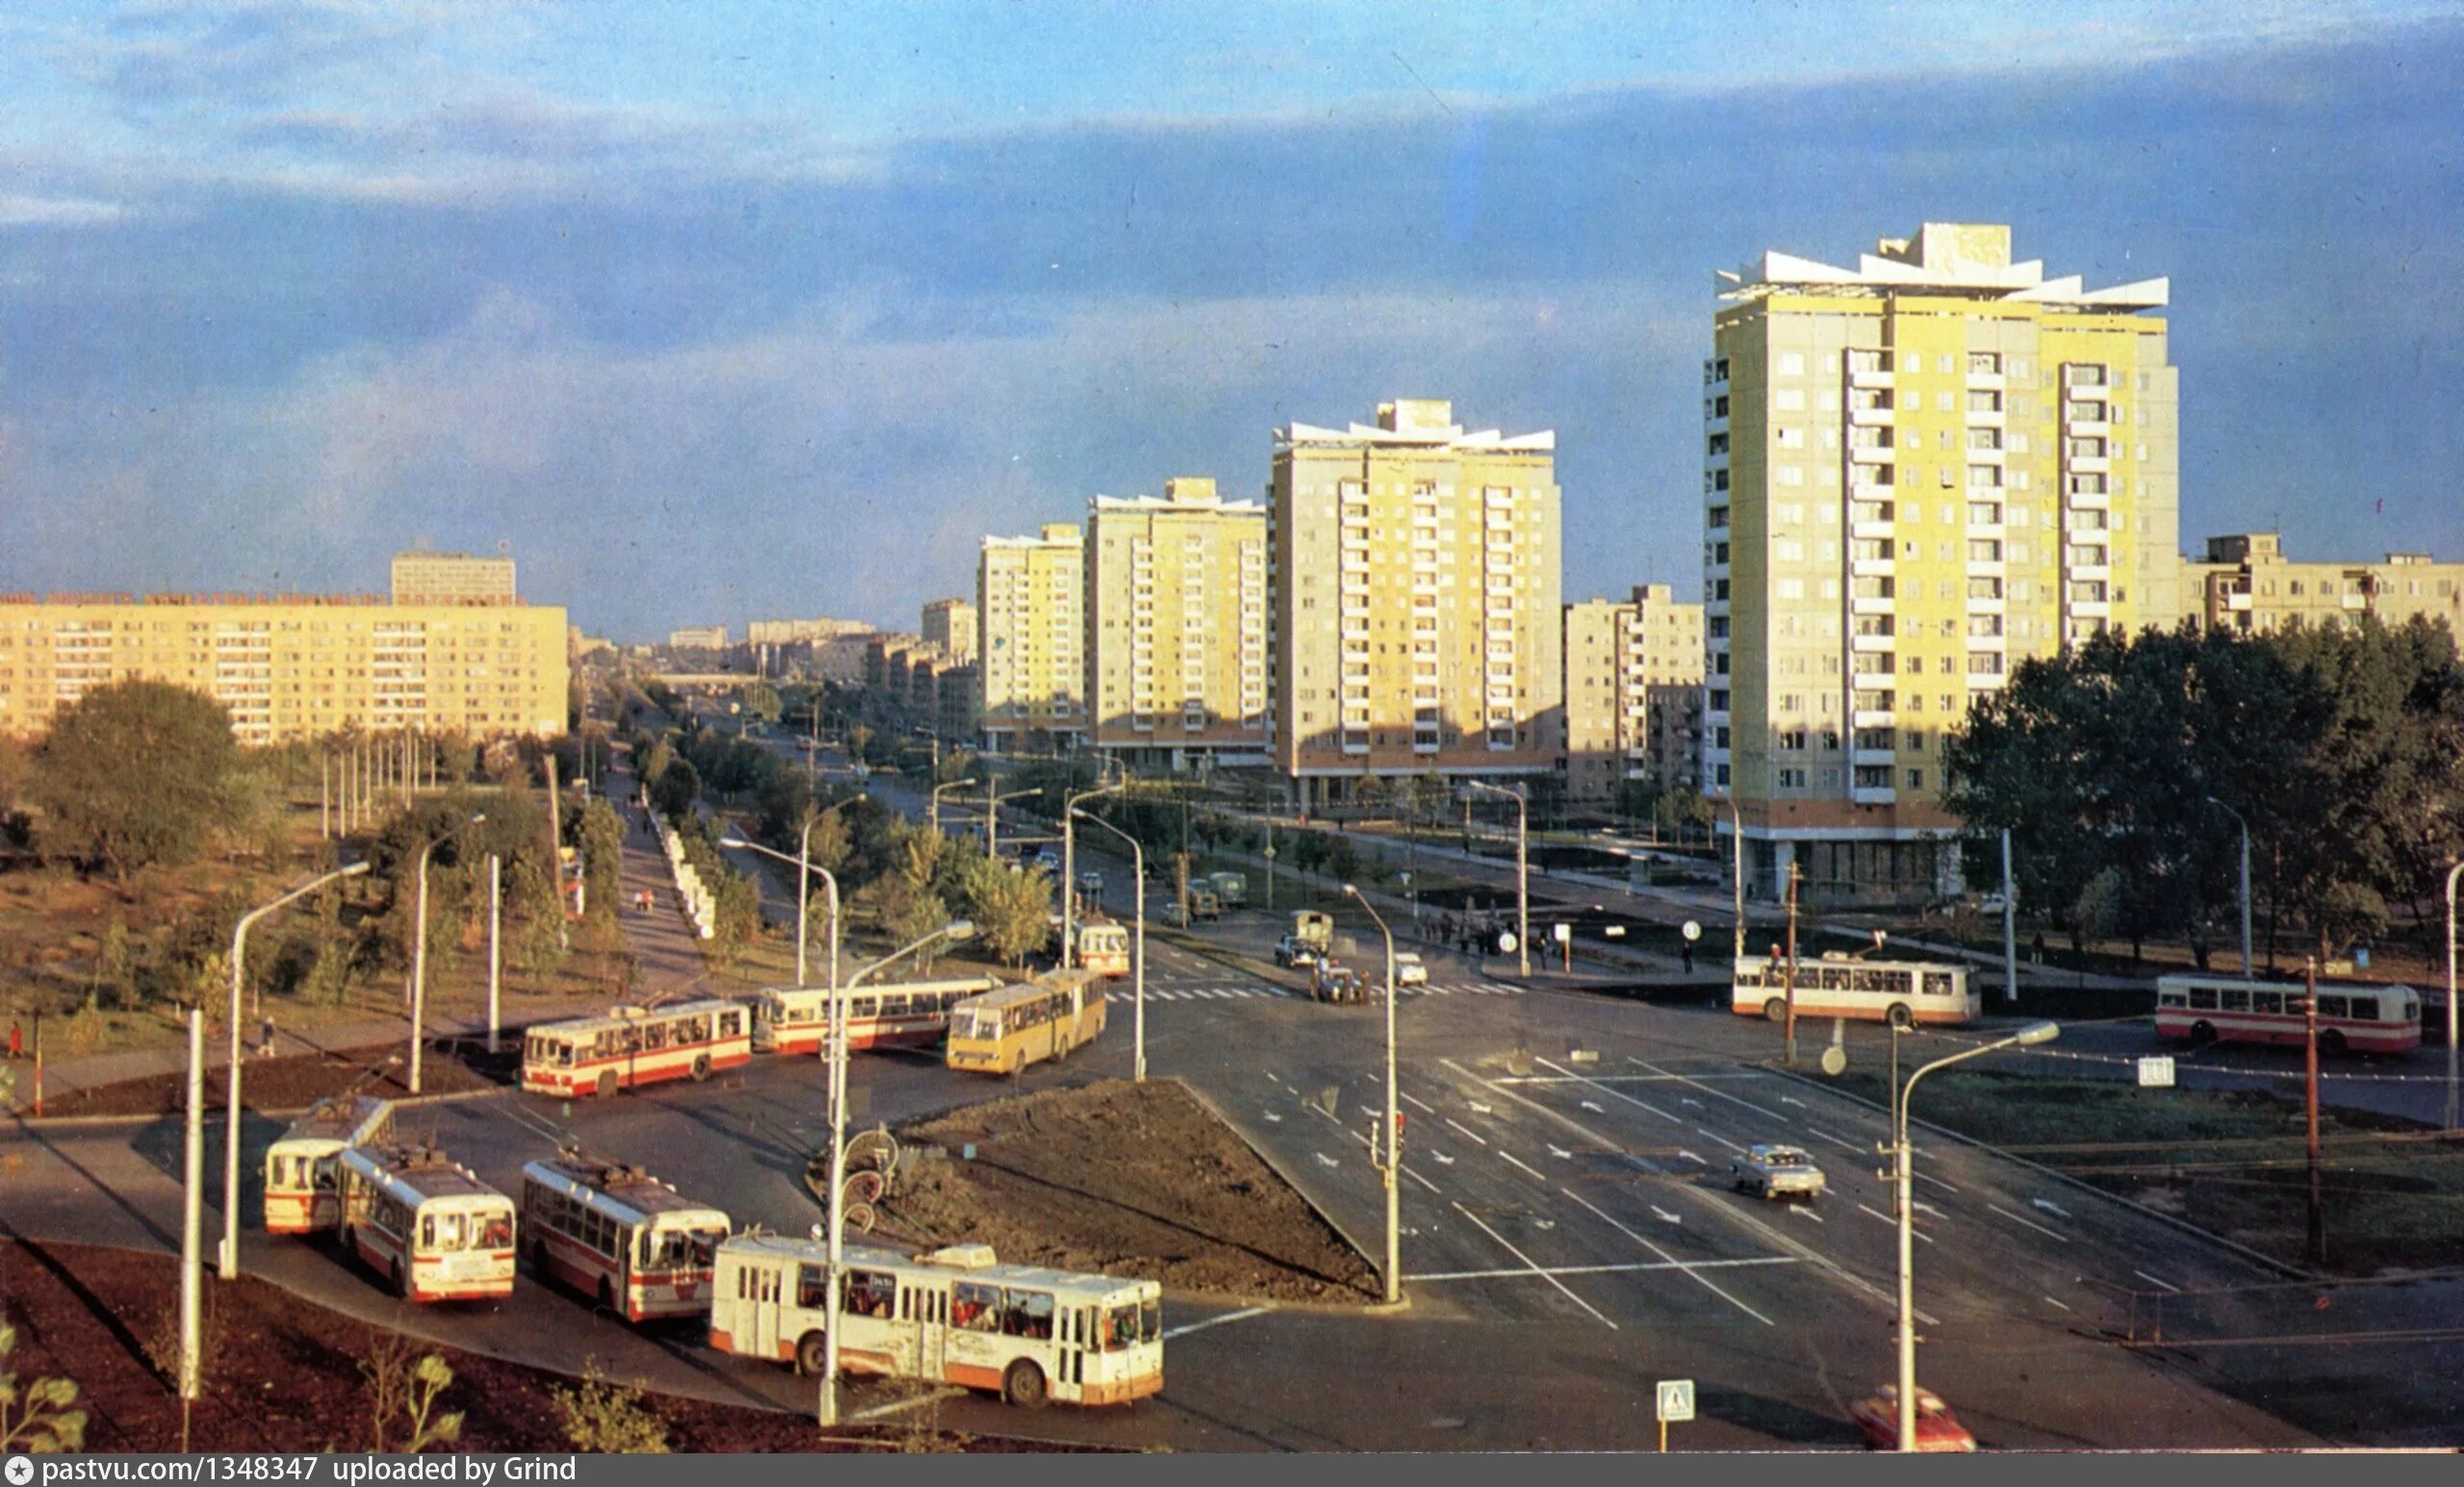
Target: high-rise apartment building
[
  {"x": 424, "y": 578},
  {"x": 1625, "y": 660},
  {"x": 293, "y": 667},
  {"x": 1415, "y": 598},
  {"x": 2248, "y": 583},
  {"x": 698, "y": 637},
  {"x": 951, "y": 624},
  {"x": 1176, "y": 626},
  {"x": 1030, "y": 598},
  {"x": 1916, "y": 472}
]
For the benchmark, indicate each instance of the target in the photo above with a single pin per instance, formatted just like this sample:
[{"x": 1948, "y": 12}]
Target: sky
[{"x": 714, "y": 312}]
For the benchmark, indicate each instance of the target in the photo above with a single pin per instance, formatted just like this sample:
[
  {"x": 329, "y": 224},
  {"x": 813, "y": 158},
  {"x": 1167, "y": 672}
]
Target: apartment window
[
  {"x": 1984, "y": 400},
  {"x": 1983, "y": 550},
  {"x": 1983, "y": 513},
  {"x": 1716, "y": 445},
  {"x": 1983, "y": 363},
  {"x": 1916, "y": 779},
  {"x": 1792, "y": 778},
  {"x": 1717, "y": 518},
  {"x": 1793, "y": 740},
  {"x": 1984, "y": 478},
  {"x": 1872, "y": 776}
]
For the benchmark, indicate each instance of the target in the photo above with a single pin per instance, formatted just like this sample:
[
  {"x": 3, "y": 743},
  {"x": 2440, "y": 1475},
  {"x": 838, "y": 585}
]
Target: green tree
[
  {"x": 762, "y": 703},
  {"x": 1011, "y": 907},
  {"x": 675, "y": 790},
  {"x": 37, "y": 1418},
  {"x": 137, "y": 773}
]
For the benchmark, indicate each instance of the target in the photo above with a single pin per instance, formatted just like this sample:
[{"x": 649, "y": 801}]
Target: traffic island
[
  {"x": 1123, "y": 1179},
  {"x": 293, "y": 1082}
]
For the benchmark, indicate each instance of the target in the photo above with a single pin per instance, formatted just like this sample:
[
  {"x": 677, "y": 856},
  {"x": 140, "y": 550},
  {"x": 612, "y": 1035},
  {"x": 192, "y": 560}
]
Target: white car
[
  {"x": 1776, "y": 1172},
  {"x": 1408, "y": 969}
]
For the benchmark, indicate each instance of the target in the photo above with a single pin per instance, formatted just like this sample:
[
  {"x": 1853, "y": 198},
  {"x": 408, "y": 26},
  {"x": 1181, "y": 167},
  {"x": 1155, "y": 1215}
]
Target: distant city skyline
[{"x": 739, "y": 312}]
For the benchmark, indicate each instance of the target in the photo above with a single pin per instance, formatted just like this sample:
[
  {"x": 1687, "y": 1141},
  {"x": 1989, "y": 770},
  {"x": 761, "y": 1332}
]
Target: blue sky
[{"x": 716, "y": 311}]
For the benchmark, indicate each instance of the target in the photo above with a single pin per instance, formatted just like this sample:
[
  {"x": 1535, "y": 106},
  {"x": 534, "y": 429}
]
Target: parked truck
[
  {"x": 1309, "y": 940},
  {"x": 1231, "y": 889}
]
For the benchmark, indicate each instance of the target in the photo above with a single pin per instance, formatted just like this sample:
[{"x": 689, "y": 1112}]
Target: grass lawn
[{"x": 2229, "y": 1161}]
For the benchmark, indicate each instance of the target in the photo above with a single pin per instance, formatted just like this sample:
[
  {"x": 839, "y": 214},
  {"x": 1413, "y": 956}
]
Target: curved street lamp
[
  {"x": 1393, "y": 1278},
  {"x": 1137, "y": 950}
]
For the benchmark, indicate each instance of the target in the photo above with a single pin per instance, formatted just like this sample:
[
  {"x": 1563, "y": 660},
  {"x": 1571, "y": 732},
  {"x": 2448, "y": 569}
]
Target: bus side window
[
  {"x": 2169, "y": 999},
  {"x": 2202, "y": 999},
  {"x": 2237, "y": 1001},
  {"x": 325, "y": 1171},
  {"x": 2333, "y": 1007},
  {"x": 812, "y": 1293},
  {"x": 975, "y": 1308},
  {"x": 2361, "y": 1008},
  {"x": 1028, "y": 1314}
]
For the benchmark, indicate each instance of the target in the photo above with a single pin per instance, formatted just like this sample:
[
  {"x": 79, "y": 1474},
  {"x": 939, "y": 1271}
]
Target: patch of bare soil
[
  {"x": 1122, "y": 1179},
  {"x": 285, "y": 1375},
  {"x": 293, "y": 1082}
]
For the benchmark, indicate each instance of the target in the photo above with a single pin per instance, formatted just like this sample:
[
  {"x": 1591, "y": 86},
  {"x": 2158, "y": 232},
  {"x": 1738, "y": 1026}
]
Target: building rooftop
[
  {"x": 1427, "y": 422},
  {"x": 1970, "y": 260}
]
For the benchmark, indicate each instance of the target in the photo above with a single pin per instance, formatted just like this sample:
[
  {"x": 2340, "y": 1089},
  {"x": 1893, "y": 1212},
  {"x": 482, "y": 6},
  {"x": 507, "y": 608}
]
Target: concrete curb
[
  {"x": 2208, "y": 1236},
  {"x": 1327, "y": 1218}
]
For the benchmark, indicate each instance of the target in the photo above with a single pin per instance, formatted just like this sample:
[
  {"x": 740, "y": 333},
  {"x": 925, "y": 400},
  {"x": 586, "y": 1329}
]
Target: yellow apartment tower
[
  {"x": 2248, "y": 583},
  {"x": 1030, "y": 594},
  {"x": 1917, "y": 471},
  {"x": 951, "y": 625},
  {"x": 293, "y": 667},
  {"x": 1625, "y": 660},
  {"x": 1416, "y": 601},
  {"x": 1176, "y": 626},
  {"x": 424, "y": 578}
]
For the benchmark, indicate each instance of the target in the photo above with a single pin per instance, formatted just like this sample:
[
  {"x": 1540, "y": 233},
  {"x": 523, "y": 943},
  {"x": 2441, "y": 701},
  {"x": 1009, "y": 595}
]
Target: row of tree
[{"x": 2112, "y": 767}]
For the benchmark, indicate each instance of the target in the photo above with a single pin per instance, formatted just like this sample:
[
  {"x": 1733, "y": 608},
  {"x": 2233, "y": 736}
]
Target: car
[
  {"x": 1294, "y": 952},
  {"x": 1408, "y": 969},
  {"x": 1937, "y": 1429},
  {"x": 1337, "y": 983},
  {"x": 1092, "y": 885},
  {"x": 1776, "y": 1172},
  {"x": 1047, "y": 860}
]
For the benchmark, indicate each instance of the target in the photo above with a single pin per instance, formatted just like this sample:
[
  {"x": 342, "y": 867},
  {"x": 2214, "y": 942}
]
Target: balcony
[
  {"x": 1870, "y": 567},
  {"x": 2237, "y": 599},
  {"x": 1984, "y": 380},
  {"x": 2090, "y": 500},
  {"x": 1885, "y": 644},
  {"x": 1873, "y": 603},
  {"x": 1870, "y": 416},
  {"x": 1867, "y": 795},
  {"x": 1877, "y": 530},
  {"x": 1860, "y": 377}
]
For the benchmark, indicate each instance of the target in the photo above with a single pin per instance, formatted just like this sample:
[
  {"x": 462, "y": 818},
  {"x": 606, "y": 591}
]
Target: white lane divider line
[
  {"x": 1559, "y": 1152},
  {"x": 1272, "y": 1118},
  {"x": 1619, "y": 1094},
  {"x": 1594, "y": 1108},
  {"x": 1628, "y": 1269},
  {"x": 1690, "y": 1157},
  {"x": 1441, "y": 1159},
  {"x": 1722, "y": 1139},
  {"x": 1835, "y": 1141},
  {"x": 1696, "y": 1084},
  {"x": 1936, "y": 1181},
  {"x": 1791, "y": 1100},
  {"x": 1423, "y": 1181},
  {"x": 2054, "y": 1209},
  {"x": 898, "y": 1406},
  {"x": 1418, "y": 1104},
  {"x": 2166, "y": 1284},
  {"x": 1465, "y": 1130},
  {"x": 2056, "y": 1304},
  {"x": 1186, "y": 1328},
  {"x": 1888, "y": 1219},
  {"x": 1805, "y": 1210},
  {"x": 2056, "y": 1234},
  {"x": 1690, "y": 1269},
  {"x": 1924, "y": 1207},
  {"x": 1664, "y": 1216},
  {"x": 1325, "y": 1160},
  {"x": 1532, "y": 1266},
  {"x": 1527, "y": 1166}
]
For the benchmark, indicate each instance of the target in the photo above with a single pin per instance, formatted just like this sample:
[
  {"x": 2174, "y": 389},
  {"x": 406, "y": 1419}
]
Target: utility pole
[
  {"x": 495, "y": 943},
  {"x": 2310, "y": 1082},
  {"x": 193, "y": 1223},
  {"x": 326, "y": 797},
  {"x": 2010, "y": 926},
  {"x": 556, "y": 853},
  {"x": 1795, "y": 873}
]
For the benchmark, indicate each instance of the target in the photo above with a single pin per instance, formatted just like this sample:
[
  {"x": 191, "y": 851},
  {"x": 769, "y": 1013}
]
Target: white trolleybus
[
  {"x": 620, "y": 1234},
  {"x": 636, "y": 1046},
  {"x": 953, "y": 1315},
  {"x": 303, "y": 1166},
  {"x": 1903, "y": 993},
  {"x": 430, "y": 1227},
  {"x": 2228, "y": 1010},
  {"x": 796, "y": 1019}
]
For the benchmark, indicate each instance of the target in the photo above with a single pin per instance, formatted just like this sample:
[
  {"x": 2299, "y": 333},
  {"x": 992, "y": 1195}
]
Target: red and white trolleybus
[
  {"x": 619, "y": 1234},
  {"x": 430, "y": 1227},
  {"x": 796, "y": 1019},
  {"x": 2228, "y": 1010},
  {"x": 636, "y": 1046},
  {"x": 303, "y": 1166}
]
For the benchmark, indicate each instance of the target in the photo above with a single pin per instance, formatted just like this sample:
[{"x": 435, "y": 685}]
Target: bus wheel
[
  {"x": 607, "y": 1294},
  {"x": 2203, "y": 1033},
  {"x": 813, "y": 1354},
  {"x": 1901, "y": 1017},
  {"x": 1775, "y": 1011},
  {"x": 402, "y": 1282},
  {"x": 700, "y": 1067},
  {"x": 1023, "y": 1385},
  {"x": 2331, "y": 1041},
  {"x": 607, "y": 1084}
]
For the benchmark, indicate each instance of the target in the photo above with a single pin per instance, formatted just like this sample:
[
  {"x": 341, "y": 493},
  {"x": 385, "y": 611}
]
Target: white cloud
[{"x": 16, "y": 210}]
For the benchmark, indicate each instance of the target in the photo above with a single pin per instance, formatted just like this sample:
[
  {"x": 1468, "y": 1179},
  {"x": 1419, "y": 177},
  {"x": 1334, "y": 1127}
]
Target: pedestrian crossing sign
[{"x": 1675, "y": 1400}]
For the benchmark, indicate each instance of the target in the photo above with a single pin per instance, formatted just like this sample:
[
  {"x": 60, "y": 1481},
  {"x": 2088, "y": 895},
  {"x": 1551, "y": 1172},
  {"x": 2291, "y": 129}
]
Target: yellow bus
[
  {"x": 954, "y": 1316},
  {"x": 1003, "y": 1032}
]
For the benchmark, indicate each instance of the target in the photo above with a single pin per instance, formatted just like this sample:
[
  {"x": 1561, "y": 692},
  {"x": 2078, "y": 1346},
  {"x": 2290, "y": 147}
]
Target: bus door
[
  {"x": 925, "y": 1317},
  {"x": 755, "y": 1332},
  {"x": 1073, "y": 1333}
]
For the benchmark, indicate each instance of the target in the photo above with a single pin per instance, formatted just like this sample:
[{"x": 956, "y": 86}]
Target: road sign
[
  {"x": 1505, "y": 942},
  {"x": 1834, "y": 1059},
  {"x": 1563, "y": 931},
  {"x": 2156, "y": 1072},
  {"x": 1675, "y": 1400},
  {"x": 1269, "y": 854},
  {"x": 1692, "y": 930}
]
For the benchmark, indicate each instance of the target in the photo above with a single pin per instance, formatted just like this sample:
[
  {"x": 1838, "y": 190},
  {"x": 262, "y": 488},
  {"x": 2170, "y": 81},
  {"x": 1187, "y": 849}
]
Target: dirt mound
[
  {"x": 1123, "y": 1179},
  {"x": 292, "y": 1082}
]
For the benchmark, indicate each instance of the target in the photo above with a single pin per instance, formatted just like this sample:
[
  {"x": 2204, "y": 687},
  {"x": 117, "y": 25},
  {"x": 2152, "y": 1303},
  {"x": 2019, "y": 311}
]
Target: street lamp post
[
  {"x": 419, "y": 955},
  {"x": 955, "y": 929},
  {"x": 2245, "y": 891},
  {"x": 934, "y": 809},
  {"x": 228, "y": 1266},
  {"x": 2453, "y": 873},
  {"x": 803, "y": 892},
  {"x": 1069, "y": 868},
  {"x": 992, "y": 815},
  {"x": 1737, "y": 840},
  {"x": 2026, "y": 1037},
  {"x": 1394, "y": 1160},
  {"x": 1522, "y": 870},
  {"x": 1138, "y": 951}
]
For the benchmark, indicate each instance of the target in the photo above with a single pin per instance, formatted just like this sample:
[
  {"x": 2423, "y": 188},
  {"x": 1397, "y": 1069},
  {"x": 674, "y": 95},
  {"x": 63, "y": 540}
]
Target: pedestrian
[
  {"x": 1687, "y": 947},
  {"x": 265, "y": 1039},
  {"x": 16, "y": 1041},
  {"x": 2039, "y": 947}
]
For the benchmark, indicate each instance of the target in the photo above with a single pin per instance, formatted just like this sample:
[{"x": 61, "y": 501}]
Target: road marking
[
  {"x": 2166, "y": 1284},
  {"x": 1441, "y": 1159},
  {"x": 2030, "y": 1222},
  {"x": 1277, "y": 1078},
  {"x": 1664, "y": 1216},
  {"x": 1560, "y": 1153},
  {"x": 1690, "y": 1157},
  {"x": 1834, "y": 1140},
  {"x": 1371, "y": 1113},
  {"x": 1805, "y": 1210},
  {"x": 1479, "y": 1109},
  {"x": 2054, "y": 1209},
  {"x": 1594, "y": 1109},
  {"x": 2057, "y": 1303},
  {"x": 1276, "y": 1119},
  {"x": 1418, "y": 1178},
  {"x": 1534, "y": 1268},
  {"x": 1187, "y": 1328},
  {"x": 1924, "y": 1207},
  {"x": 1618, "y": 1094},
  {"x": 1628, "y": 1269},
  {"x": 1692, "y": 1270},
  {"x": 1888, "y": 1219},
  {"x": 1687, "y": 1099},
  {"x": 1936, "y": 1181},
  {"x": 1791, "y": 1100},
  {"x": 1325, "y": 1160},
  {"x": 1759, "y": 1110},
  {"x": 1722, "y": 1139},
  {"x": 1421, "y": 1104},
  {"x": 878, "y": 1411},
  {"x": 1466, "y": 1130},
  {"x": 1527, "y": 1166}
]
